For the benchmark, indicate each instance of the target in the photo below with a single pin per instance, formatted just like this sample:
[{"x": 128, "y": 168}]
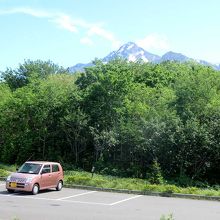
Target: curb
[{"x": 146, "y": 193}]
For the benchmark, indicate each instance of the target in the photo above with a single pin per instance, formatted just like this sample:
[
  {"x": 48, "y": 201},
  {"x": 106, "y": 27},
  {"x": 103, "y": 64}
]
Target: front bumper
[{"x": 19, "y": 186}]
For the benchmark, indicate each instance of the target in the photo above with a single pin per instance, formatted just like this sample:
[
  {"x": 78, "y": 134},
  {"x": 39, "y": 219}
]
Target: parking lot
[{"x": 85, "y": 204}]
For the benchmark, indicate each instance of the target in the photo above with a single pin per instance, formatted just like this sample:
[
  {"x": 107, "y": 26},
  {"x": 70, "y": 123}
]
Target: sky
[{"x": 68, "y": 32}]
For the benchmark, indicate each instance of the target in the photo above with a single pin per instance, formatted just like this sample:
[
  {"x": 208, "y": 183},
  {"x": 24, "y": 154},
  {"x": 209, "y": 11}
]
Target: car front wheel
[
  {"x": 35, "y": 189},
  {"x": 10, "y": 191},
  {"x": 59, "y": 185}
]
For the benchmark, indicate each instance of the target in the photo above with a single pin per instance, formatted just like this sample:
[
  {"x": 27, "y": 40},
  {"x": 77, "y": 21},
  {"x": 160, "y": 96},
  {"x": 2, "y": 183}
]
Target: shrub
[
  {"x": 192, "y": 190},
  {"x": 97, "y": 182},
  {"x": 156, "y": 176},
  {"x": 152, "y": 187},
  {"x": 78, "y": 180},
  {"x": 11, "y": 168},
  {"x": 171, "y": 189},
  {"x": 85, "y": 178},
  {"x": 3, "y": 173}
]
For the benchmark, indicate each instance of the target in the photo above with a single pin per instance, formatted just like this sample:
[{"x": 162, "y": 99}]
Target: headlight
[
  {"x": 28, "y": 180},
  {"x": 8, "y": 178}
]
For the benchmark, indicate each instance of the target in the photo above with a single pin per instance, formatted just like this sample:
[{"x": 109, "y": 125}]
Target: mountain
[
  {"x": 131, "y": 52},
  {"x": 214, "y": 66},
  {"x": 172, "y": 56},
  {"x": 79, "y": 67}
]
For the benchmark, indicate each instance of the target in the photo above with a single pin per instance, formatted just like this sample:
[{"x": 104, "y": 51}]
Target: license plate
[{"x": 13, "y": 185}]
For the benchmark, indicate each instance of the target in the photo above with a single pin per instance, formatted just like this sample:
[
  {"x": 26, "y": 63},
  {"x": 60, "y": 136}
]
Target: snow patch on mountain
[{"x": 131, "y": 52}]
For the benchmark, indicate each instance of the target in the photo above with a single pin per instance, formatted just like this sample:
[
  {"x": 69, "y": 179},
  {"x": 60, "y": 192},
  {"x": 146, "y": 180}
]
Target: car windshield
[{"x": 31, "y": 168}]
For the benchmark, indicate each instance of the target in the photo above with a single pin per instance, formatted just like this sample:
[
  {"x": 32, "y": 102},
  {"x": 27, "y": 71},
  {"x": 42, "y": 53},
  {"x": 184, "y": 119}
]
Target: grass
[
  {"x": 86, "y": 179},
  {"x": 3, "y": 173},
  {"x": 5, "y": 170},
  {"x": 104, "y": 181},
  {"x": 10, "y": 168}
]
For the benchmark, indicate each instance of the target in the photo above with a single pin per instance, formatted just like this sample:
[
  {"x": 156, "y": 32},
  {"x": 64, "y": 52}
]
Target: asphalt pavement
[{"x": 78, "y": 204}]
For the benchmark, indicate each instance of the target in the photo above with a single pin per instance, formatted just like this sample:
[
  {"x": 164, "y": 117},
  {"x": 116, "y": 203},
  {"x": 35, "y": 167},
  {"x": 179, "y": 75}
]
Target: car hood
[{"x": 22, "y": 175}]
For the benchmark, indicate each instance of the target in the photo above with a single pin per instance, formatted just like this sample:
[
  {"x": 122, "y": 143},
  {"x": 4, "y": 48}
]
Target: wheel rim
[
  {"x": 35, "y": 189},
  {"x": 60, "y": 185}
]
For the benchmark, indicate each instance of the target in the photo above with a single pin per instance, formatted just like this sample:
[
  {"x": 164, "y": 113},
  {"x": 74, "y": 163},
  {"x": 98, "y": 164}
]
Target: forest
[{"x": 123, "y": 118}]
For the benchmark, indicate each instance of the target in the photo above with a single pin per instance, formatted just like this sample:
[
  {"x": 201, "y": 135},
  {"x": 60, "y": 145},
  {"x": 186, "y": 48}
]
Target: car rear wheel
[
  {"x": 10, "y": 190},
  {"x": 59, "y": 185},
  {"x": 35, "y": 189}
]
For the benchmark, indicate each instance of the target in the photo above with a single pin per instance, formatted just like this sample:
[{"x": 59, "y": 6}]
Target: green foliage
[
  {"x": 78, "y": 180},
  {"x": 84, "y": 178},
  {"x": 3, "y": 173},
  {"x": 167, "y": 217},
  {"x": 9, "y": 168},
  {"x": 16, "y": 218},
  {"x": 118, "y": 117},
  {"x": 104, "y": 181},
  {"x": 29, "y": 72},
  {"x": 156, "y": 176}
]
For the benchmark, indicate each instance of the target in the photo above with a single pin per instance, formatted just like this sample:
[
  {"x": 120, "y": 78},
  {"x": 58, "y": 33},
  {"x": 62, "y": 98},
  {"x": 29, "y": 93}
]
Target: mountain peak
[
  {"x": 132, "y": 52},
  {"x": 128, "y": 46}
]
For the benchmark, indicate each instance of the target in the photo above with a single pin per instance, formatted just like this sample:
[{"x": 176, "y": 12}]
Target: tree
[{"x": 29, "y": 72}]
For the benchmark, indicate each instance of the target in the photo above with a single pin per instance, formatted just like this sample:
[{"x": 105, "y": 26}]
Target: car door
[
  {"x": 46, "y": 177},
  {"x": 56, "y": 174}
]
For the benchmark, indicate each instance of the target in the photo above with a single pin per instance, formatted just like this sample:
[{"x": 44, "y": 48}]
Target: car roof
[{"x": 42, "y": 162}]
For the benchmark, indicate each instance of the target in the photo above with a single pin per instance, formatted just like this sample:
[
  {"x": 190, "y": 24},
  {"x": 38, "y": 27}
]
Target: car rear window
[{"x": 55, "y": 168}]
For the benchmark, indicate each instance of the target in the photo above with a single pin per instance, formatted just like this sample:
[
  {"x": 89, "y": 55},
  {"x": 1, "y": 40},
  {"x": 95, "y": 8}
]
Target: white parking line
[
  {"x": 55, "y": 200},
  {"x": 81, "y": 194},
  {"x": 64, "y": 199},
  {"x": 27, "y": 197},
  {"x": 81, "y": 202},
  {"x": 124, "y": 200}
]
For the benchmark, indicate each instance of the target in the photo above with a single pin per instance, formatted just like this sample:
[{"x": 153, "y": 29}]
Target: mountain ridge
[{"x": 132, "y": 52}]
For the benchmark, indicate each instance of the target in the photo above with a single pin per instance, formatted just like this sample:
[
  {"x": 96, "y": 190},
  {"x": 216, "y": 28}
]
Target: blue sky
[{"x": 77, "y": 31}]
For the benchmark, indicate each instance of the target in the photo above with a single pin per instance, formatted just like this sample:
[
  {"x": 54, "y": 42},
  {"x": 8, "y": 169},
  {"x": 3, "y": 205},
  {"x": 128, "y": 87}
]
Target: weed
[
  {"x": 85, "y": 178},
  {"x": 168, "y": 217}
]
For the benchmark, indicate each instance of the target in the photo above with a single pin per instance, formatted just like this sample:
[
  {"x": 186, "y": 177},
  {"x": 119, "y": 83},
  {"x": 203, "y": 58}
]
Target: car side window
[
  {"x": 55, "y": 168},
  {"x": 46, "y": 169}
]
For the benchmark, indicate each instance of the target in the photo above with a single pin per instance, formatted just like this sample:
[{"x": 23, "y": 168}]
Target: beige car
[{"x": 33, "y": 176}]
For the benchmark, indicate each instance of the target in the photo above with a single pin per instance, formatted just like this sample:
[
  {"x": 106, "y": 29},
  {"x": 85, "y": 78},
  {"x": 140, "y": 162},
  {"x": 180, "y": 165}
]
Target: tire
[
  {"x": 35, "y": 189},
  {"x": 10, "y": 191},
  {"x": 59, "y": 185}
]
